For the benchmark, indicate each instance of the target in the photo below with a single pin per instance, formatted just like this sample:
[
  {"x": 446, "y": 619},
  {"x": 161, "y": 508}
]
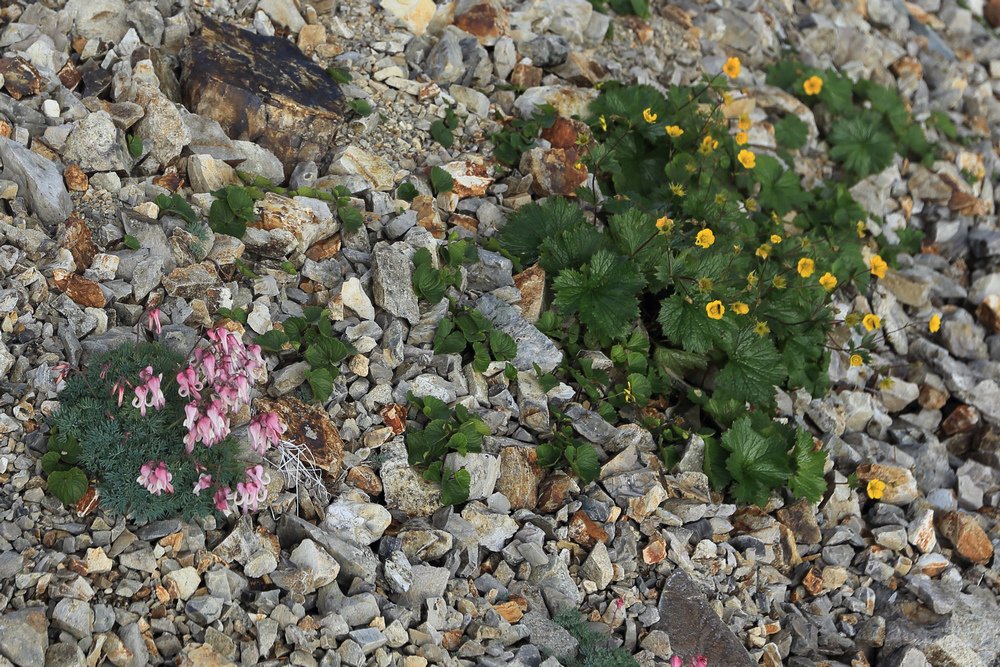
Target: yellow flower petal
[
  {"x": 747, "y": 159},
  {"x": 715, "y": 310},
  {"x": 805, "y": 267},
  {"x": 674, "y": 131},
  {"x": 871, "y": 322},
  {"x": 828, "y": 281},
  {"x": 812, "y": 85},
  {"x": 705, "y": 238},
  {"x": 732, "y": 67},
  {"x": 878, "y": 266},
  {"x": 740, "y": 308},
  {"x": 875, "y": 489},
  {"x": 935, "y": 324},
  {"x": 648, "y": 115},
  {"x": 857, "y": 360}
]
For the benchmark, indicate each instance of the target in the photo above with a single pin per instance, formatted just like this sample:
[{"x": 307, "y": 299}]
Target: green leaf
[
  {"x": 427, "y": 281},
  {"x": 548, "y": 455},
  {"x": 407, "y": 191},
  {"x": 791, "y": 132},
  {"x": 641, "y": 388},
  {"x": 603, "y": 294},
  {"x": 686, "y": 324},
  {"x": 68, "y": 485},
  {"x": 502, "y": 346},
  {"x": 339, "y": 74},
  {"x": 51, "y": 461},
  {"x": 585, "y": 463},
  {"x": 715, "y": 464},
  {"x": 222, "y": 220},
  {"x": 807, "y": 480},
  {"x": 530, "y": 225},
  {"x": 361, "y": 107},
  {"x": 441, "y": 134},
  {"x": 272, "y": 341},
  {"x": 441, "y": 180},
  {"x": 131, "y": 242},
  {"x": 327, "y": 353},
  {"x": 134, "y": 143},
  {"x": 351, "y": 217},
  {"x": 320, "y": 383},
  {"x": 753, "y": 369},
  {"x": 447, "y": 340},
  {"x": 312, "y": 314},
  {"x": 455, "y": 487},
  {"x": 636, "y": 235},
  {"x": 177, "y": 205},
  {"x": 757, "y": 463},
  {"x": 288, "y": 268},
  {"x": 780, "y": 189},
  {"x": 861, "y": 145},
  {"x": 245, "y": 270}
]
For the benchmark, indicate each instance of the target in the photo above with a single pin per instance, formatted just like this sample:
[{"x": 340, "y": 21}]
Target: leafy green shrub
[
  {"x": 443, "y": 131},
  {"x": 448, "y": 430},
  {"x": 706, "y": 271},
  {"x": 519, "y": 135},
  {"x": 313, "y": 338},
  {"x": 564, "y": 450},
  {"x": 467, "y": 332},
  {"x": 231, "y": 211}
]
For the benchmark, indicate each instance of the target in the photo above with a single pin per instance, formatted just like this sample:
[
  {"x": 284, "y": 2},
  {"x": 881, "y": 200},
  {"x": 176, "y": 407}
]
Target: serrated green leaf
[
  {"x": 603, "y": 294},
  {"x": 222, "y": 220},
  {"x": 407, "y": 191},
  {"x": 807, "y": 481},
  {"x": 686, "y": 324},
  {"x": 351, "y": 217},
  {"x": 134, "y": 145},
  {"x": 361, "y": 107},
  {"x": 441, "y": 134},
  {"x": 131, "y": 242},
  {"x": 530, "y": 225},
  {"x": 272, "y": 341},
  {"x": 68, "y": 485},
  {"x": 455, "y": 487},
  {"x": 585, "y": 463},
  {"x": 320, "y": 383},
  {"x": 441, "y": 180},
  {"x": 327, "y": 353},
  {"x": 752, "y": 370},
  {"x": 757, "y": 463},
  {"x": 502, "y": 346},
  {"x": 641, "y": 388},
  {"x": 51, "y": 461},
  {"x": 861, "y": 145},
  {"x": 548, "y": 455},
  {"x": 177, "y": 205},
  {"x": 791, "y": 132}
]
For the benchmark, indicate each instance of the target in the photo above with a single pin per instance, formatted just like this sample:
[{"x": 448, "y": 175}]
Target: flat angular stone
[
  {"x": 310, "y": 426},
  {"x": 262, "y": 89},
  {"x": 693, "y": 626}
]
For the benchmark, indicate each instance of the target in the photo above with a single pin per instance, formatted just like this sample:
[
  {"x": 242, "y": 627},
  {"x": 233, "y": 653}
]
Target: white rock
[
  {"x": 317, "y": 561},
  {"x": 598, "y": 567},
  {"x": 354, "y": 297},
  {"x": 50, "y": 108},
  {"x": 186, "y": 580},
  {"x": 362, "y": 523},
  {"x": 284, "y": 13},
  {"x": 414, "y": 14}
]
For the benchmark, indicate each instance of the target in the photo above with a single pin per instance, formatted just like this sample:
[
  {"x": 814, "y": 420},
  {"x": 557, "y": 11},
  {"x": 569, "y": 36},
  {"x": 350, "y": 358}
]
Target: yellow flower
[
  {"x": 764, "y": 250},
  {"x": 752, "y": 279},
  {"x": 727, "y": 98},
  {"x": 775, "y": 239},
  {"x": 603, "y": 122},
  {"x": 935, "y": 323},
  {"x": 705, "y": 284},
  {"x": 664, "y": 224},
  {"x": 629, "y": 396},
  {"x": 812, "y": 85},
  {"x": 740, "y": 308},
  {"x": 741, "y": 138},
  {"x": 732, "y": 67},
  {"x": 674, "y": 130},
  {"x": 677, "y": 189},
  {"x": 708, "y": 144},
  {"x": 744, "y": 121},
  {"x": 828, "y": 281},
  {"x": 747, "y": 158},
  {"x": 761, "y": 329},
  {"x": 705, "y": 238},
  {"x": 871, "y": 322},
  {"x": 578, "y": 165},
  {"x": 720, "y": 198},
  {"x": 878, "y": 266},
  {"x": 852, "y": 320},
  {"x": 806, "y": 267},
  {"x": 715, "y": 310},
  {"x": 750, "y": 204},
  {"x": 860, "y": 226},
  {"x": 648, "y": 115},
  {"x": 857, "y": 360},
  {"x": 779, "y": 282},
  {"x": 876, "y": 488}
]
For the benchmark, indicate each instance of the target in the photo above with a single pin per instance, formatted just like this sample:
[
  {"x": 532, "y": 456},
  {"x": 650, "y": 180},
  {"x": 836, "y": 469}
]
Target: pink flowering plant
[{"x": 154, "y": 429}]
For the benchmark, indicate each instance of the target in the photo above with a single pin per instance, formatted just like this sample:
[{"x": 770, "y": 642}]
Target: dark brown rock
[
  {"x": 262, "y": 89},
  {"x": 77, "y": 238},
  {"x": 21, "y": 79},
  {"x": 485, "y": 19},
  {"x": 967, "y": 536},
  {"x": 83, "y": 291},
  {"x": 311, "y": 427}
]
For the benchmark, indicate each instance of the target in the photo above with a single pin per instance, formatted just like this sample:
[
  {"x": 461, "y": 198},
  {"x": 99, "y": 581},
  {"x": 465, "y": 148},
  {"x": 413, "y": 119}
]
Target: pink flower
[
  {"x": 189, "y": 386},
  {"x": 254, "y": 491},
  {"x": 265, "y": 429},
  {"x": 140, "y": 399},
  {"x": 675, "y": 661},
  {"x": 156, "y": 394},
  {"x": 221, "y": 499},
  {"x": 153, "y": 320},
  {"x": 699, "y": 661},
  {"x": 119, "y": 388},
  {"x": 155, "y": 477},
  {"x": 204, "y": 482}
]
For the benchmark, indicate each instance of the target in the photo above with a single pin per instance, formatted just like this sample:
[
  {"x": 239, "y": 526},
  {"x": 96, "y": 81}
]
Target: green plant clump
[
  {"x": 448, "y": 431},
  {"x": 431, "y": 283},
  {"x": 705, "y": 271},
  {"x": 92, "y": 436},
  {"x": 467, "y": 332},
  {"x": 594, "y": 649}
]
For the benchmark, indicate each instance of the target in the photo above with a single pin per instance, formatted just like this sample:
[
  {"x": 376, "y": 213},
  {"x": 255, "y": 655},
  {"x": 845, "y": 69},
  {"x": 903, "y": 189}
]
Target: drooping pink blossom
[
  {"x": 188, "y": 384},
  {"x": 204, "y": 482},
  {"x": 265, "y": 429},
  {"x": 153, "y": 320},
  {"x": 119, "y": 388},
  {"x": 253, "y": 491},
  {"x": 699, "y": 661},
  {"x": 676, "y": 661},
  {"x": 140, "y": 399},
  {"x": 155, "y": 477},
  {"x": 156, "y": 394},
  {"x": 221, "y": 498}
]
